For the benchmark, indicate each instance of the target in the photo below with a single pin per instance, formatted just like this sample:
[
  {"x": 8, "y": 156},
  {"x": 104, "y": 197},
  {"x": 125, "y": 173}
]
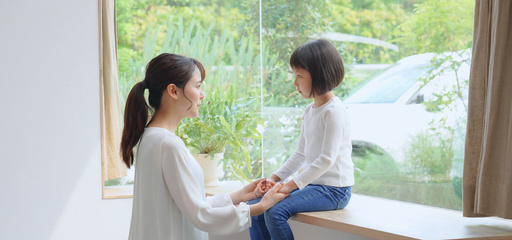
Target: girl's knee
[{"x": 276, "y": 213}]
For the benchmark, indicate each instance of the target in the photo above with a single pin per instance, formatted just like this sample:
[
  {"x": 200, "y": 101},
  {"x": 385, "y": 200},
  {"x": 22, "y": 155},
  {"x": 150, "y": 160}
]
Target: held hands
[
  {"x": 249, "y": 192},
  {"x": 263, "y": 187},
  {"x": 288, "y": 187},
  {"x": 272, "y": 197},
  {"x": 256, "y": 189}
]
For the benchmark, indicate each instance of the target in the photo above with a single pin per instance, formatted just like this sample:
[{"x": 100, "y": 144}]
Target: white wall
[{"x": 50, "y": 179}]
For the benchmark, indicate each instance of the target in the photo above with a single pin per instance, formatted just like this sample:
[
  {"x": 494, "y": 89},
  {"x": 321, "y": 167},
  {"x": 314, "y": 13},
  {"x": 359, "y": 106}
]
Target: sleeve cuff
[
  {"x": 281, "y": 175},
  {"x": 245, "y": 210},
  {"x": 299, "y": 183}
]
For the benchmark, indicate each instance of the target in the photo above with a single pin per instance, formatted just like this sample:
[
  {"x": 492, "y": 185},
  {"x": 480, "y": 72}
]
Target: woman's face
[
  {"x": 302, "y": 82},
  {"x": 194, "y": 93}
]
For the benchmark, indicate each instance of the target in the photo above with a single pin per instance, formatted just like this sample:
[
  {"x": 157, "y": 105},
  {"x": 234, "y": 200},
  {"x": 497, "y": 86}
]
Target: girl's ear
[{"x": 172, "y": 91}]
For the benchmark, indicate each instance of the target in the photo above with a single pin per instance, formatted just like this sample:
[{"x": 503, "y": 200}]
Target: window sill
[
  {"x": 389, "y": 219},
  {"x": 380, "y": 218},
  {"x": 115, "y": 192},
  {"x": 224, "y": 187}
]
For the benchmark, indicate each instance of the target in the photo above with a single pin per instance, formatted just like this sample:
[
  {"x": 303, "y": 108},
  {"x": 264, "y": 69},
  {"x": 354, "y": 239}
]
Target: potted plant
[{"x": 223, "y": 132}]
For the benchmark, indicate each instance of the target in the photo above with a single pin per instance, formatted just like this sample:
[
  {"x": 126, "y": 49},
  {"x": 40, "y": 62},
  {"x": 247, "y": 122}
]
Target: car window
[{"x": 390, "y": 85}]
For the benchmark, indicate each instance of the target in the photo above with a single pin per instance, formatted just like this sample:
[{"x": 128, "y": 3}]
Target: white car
[{"x": 389, "y": 108}]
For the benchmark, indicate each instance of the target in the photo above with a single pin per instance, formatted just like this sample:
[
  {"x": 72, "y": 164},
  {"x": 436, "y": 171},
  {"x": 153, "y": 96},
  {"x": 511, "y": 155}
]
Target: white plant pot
[{"x": 211, "y": 169}]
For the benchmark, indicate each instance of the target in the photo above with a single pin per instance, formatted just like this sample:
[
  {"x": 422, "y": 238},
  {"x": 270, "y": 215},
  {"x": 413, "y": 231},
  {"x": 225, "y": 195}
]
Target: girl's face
[
  {"x": 194, "y": 93},
  {"x": 302, "y": 82}
]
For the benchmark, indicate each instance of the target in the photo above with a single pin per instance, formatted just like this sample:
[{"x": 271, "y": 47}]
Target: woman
[{"x": 169, "y": 198}]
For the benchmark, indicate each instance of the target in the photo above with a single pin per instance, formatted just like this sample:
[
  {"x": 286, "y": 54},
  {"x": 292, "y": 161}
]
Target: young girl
[
  {"x": 169, "y": 198},
  {"x": 324, "y": 147}
]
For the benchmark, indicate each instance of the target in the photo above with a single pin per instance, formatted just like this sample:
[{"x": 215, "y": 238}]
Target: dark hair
[
  {"x": 161, "y": 71},
  {"x": 323, "y": 62}
]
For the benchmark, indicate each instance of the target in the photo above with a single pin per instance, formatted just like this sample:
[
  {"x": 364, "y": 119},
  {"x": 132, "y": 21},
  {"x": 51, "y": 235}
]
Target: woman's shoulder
[{"x": 163, "y": 136}]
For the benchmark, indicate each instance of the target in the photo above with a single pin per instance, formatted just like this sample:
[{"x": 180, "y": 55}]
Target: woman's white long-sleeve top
[{"x": 169, "y": 198}]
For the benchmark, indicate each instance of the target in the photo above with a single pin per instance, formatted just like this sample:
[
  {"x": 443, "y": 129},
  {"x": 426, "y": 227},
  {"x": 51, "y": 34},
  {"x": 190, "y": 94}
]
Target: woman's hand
[
  {"x": 272, "y": 197},
  {"x": 263, "y": 187},
  {"x": 248, "y": 192}
]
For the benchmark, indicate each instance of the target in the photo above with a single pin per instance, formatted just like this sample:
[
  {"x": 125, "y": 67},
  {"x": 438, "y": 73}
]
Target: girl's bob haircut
[{"x": 323, "y": 62}]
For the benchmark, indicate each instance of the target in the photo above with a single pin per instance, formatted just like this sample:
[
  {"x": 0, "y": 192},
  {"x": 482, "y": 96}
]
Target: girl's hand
[
  {"x": 270, "y": 185},
  {"x": 288, "y": 187},
  {"x": 249, "y": 191},
  {"x": 273, "y": 196},
  {"x": 274, "y": 178},
  {"x": 263, "y": 187}
]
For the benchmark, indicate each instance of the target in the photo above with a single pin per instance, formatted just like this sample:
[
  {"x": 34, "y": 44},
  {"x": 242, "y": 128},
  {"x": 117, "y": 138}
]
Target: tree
[
  {"x": 437, "y": 26},
  {"x": 373, "y": 19}
]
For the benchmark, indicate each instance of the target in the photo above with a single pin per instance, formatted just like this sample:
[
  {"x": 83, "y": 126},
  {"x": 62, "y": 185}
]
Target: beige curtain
[
  {"x": 112, "y": 165},
  {"x": 487, "y": 185}
]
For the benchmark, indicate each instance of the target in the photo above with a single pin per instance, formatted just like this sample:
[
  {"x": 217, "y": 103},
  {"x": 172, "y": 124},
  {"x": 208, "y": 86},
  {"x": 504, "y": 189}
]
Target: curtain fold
[
  {"x": 487, "y": 179},
  {"x": 111, "y": 127}
]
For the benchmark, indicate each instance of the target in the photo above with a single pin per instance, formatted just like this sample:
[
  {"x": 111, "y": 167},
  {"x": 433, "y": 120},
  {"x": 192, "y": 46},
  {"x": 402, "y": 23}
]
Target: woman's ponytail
[{"x": 135, "y": 120}]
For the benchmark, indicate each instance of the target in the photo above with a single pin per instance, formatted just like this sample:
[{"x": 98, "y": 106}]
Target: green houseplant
[{"x": 226, "y": 124}]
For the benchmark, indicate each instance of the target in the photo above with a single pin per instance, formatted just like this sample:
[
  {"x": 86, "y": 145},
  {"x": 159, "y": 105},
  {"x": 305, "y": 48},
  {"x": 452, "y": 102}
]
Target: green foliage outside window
[{"x": 224, "y": 36}]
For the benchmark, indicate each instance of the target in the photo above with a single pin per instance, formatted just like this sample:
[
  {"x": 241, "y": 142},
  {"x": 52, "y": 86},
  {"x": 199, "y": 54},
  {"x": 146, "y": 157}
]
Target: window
[{"x": 408, "y": 128}]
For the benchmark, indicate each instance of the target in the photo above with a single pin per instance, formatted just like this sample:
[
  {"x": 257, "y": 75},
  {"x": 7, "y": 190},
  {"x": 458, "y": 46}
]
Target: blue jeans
[{"x": 273, "y": 223}]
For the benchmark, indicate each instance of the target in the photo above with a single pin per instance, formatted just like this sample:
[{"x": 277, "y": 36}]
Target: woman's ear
[{"x": 172, "y": 91}]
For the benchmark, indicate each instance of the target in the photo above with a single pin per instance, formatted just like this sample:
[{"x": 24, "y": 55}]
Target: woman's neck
[
  {"x": 163, "y": 120},
  {"x": 322, "y": 99}
]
